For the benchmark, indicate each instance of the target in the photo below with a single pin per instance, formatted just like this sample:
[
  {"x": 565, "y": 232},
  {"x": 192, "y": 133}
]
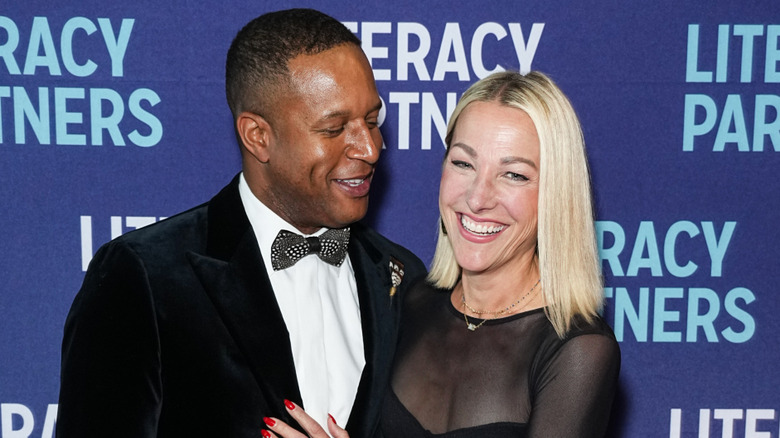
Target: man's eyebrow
[
  {"x": 334, "y": 115},
  {"x": 345, "y": 113},
  {"x": 376, "y": 107}
]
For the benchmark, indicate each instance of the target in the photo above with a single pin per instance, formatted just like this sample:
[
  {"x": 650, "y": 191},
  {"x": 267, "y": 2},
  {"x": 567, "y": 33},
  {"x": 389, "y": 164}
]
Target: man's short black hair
[{"x": 257, "y": 60}]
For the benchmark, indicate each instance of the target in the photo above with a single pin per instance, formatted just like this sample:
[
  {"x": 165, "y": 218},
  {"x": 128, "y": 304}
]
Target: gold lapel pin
[{"x": 396, "y": 274}]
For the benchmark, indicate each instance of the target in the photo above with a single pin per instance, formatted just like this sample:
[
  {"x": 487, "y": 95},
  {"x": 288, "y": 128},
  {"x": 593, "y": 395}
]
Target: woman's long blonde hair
[{"x": 566, "y": 243}]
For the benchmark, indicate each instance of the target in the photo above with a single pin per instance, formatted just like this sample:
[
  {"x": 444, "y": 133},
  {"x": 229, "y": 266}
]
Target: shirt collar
[{"x": 265, "y": 223}]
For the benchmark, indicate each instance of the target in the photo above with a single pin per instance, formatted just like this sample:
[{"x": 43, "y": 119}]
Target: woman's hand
[{"x": 313, "y": 429}]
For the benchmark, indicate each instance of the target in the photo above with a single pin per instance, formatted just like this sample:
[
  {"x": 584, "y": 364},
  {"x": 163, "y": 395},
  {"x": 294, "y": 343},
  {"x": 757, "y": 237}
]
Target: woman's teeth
[{"x": 483, "y": 230}]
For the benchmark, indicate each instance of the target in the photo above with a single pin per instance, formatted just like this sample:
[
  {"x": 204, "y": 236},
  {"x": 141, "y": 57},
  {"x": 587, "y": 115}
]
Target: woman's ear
[{"x": 255, "y": 134}]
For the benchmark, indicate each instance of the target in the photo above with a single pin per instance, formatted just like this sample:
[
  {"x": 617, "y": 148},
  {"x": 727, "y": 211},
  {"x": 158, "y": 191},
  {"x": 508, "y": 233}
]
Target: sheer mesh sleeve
[
  {"x": 575, "y": 387},
  {"x": 511, "y": 377}
]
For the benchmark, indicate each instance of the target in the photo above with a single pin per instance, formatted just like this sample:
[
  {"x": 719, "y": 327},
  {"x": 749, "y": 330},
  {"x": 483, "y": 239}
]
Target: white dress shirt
[{"x": 320, "y": 307}]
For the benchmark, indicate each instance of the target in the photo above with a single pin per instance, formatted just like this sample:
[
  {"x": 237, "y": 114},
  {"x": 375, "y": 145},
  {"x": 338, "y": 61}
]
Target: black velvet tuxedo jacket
[{"x": 176, "y": 331}]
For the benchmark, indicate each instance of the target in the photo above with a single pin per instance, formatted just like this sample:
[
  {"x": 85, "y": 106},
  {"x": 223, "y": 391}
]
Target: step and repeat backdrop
[{"x": 114, "y": 117}]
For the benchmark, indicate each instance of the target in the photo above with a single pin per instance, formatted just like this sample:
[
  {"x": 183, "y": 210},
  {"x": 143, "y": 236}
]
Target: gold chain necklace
[{"x": 471, "y": 326}]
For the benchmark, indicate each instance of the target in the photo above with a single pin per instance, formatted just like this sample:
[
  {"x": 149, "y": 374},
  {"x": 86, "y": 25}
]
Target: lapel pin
[{"x": 396, "y": 275}]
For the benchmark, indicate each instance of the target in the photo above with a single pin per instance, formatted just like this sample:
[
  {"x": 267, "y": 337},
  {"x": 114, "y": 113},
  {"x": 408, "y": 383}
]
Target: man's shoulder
[
  {"x": 185, "y": 230},
  {"x": 382, "y": 245},
  {"x": 368, "y": 236},
  {"x": 183, "y": 226},
  {"x": 156, "y": 246}
]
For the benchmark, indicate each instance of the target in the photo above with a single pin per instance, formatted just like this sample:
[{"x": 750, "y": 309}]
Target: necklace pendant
[{"x": 471, "y": 327}]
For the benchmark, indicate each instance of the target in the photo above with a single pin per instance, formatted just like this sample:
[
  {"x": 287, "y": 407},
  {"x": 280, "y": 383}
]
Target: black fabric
[
  {"x": 512, "y": 377},
  {"x": 176, "y": 331}
]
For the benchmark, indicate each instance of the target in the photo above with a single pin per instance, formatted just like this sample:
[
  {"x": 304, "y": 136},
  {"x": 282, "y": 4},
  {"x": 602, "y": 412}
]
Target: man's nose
[{"x": 364, "y": 143}]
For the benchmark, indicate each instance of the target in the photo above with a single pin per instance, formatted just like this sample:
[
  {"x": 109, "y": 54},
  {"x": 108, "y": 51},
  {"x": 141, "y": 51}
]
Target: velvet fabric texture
[{"x": 176, "y": 331}]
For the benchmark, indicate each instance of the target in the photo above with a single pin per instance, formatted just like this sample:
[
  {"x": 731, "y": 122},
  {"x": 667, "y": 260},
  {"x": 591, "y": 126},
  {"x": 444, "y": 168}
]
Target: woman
[{"x": 505, "y": 338}]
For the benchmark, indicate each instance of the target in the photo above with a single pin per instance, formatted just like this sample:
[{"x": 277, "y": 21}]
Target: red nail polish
[
  {"x": 289, "y": 404},
  {"x": 269, "y": 422},
  {"x": 332, "y": 419},
  {"x": 265, "y": 433}
]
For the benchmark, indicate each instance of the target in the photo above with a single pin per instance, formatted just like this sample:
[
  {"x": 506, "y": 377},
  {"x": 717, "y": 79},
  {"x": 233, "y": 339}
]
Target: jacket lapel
[
  {"x": 379, "y": 317},
  {"x": 234, "y": 277},
  {"x": 233, "y": 274}
]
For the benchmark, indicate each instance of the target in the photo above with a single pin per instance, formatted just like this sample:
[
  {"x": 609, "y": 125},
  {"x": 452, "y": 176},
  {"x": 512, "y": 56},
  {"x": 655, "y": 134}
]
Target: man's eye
[{"x": 333, "y": 131}]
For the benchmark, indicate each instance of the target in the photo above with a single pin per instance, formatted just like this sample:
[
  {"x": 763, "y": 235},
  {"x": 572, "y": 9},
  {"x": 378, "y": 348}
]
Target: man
[{"x": 203, "y": 324}]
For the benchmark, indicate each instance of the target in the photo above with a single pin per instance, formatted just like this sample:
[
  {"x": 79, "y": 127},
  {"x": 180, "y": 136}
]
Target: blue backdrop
[{"x": 114, "y": 116}]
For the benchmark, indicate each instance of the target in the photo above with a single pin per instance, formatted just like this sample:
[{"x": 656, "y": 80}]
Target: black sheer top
[{"x": 512, "y": 377}]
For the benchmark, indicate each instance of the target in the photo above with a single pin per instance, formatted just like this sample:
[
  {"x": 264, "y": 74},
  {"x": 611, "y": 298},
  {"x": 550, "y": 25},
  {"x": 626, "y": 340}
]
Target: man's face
[{"x": 325, "y": 140}]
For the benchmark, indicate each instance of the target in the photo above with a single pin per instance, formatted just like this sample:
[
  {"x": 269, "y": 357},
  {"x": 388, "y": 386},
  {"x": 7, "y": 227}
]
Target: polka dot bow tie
[{"x": 289, "y": 247}]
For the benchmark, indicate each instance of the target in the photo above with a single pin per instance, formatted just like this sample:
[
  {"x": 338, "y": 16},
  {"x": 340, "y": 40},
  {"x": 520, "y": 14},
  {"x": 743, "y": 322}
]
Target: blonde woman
[{"x": 504, "y": 339}]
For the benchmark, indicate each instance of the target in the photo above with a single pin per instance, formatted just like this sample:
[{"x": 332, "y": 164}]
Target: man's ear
[{"x": 255, "y": 134}]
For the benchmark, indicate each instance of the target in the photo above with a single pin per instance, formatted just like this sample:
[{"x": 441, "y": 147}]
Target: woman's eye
[
  {"x": 461, "y": 164},
  {"x": 516, "y": 176}
]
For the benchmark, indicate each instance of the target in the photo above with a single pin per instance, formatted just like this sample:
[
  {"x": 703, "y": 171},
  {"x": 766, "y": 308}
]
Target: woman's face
[{"x": 489, "y": 188}]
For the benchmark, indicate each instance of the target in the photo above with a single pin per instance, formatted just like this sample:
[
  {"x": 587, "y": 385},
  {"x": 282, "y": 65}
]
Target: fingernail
[
  {"x": 269, "y": 422},
  {"x": 265, "y": 433},
  {"x": 289, "y": 404},
  {"x": 332, "y": 419}
]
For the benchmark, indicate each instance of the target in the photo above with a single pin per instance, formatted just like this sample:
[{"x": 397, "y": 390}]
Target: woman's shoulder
[
  {"x": 590, "y": 340},
  {"x": 423, "y": 299},
  {"x": 589, "y": 326},
  {"x": 423, "y": 289}
]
